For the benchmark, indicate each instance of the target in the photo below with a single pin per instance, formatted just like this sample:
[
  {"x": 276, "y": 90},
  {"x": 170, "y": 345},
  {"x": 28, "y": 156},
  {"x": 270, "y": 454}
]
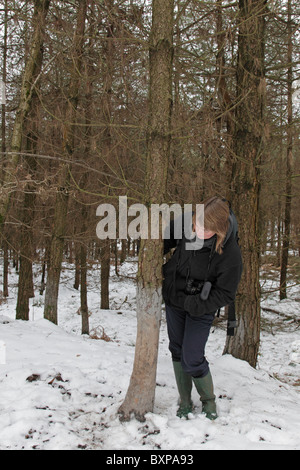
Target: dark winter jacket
[{"x": 224, "y": 273}]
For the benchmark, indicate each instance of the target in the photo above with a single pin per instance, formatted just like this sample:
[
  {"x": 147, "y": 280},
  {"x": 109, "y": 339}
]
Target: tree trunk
[
  {"x": 26, "y": 289},
  {"x": 30, "y": 78},
  {"x": 105, "y": 273},
  {"x": 89, "y": 110},
  {"x": 3, "y": 148},
  {"x": 249, "y": 147},
  {"x": 124, "y": 245},
  {"x": 77, "y": 265},
  {"x": 62, "y": 198},
  {"x": 44, "y": 268},
  {"x": 85, "y": 330},
  {"x": 3, "y": 106},
  {"x": 30, "y": 124},
  {"x": 289, "y": 164},
  {"x": 141, "y": 392},
  {"x": 106, "y": 138},
  {"x": 224, "y": 98}
]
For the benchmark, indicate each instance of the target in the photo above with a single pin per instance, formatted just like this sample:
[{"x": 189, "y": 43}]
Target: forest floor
[{"x": 60, "y": 390}]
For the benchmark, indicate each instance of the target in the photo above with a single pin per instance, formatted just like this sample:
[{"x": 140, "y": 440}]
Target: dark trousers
[{"x": 188, "y": 337}]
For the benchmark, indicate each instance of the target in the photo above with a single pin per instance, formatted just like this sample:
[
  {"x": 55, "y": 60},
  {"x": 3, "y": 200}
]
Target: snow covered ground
[{"x": 61, "y": 391}]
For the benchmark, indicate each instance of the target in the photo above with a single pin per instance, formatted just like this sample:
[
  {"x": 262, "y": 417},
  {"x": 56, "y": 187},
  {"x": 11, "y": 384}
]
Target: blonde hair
[{"x": 216, "y": 219}]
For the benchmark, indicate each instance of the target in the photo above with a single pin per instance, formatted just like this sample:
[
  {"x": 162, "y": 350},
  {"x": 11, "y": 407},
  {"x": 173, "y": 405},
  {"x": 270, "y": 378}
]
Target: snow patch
[{"x": 60, "y": 390}]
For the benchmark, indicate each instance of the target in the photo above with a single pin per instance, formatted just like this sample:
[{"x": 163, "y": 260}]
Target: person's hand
[{"x": 190, "y": 306}]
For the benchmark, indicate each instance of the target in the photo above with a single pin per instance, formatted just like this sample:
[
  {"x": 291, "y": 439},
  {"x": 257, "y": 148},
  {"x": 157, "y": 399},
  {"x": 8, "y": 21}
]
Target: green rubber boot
[
  {"x": 184, "y": 385},
  {"x": 205, "y": 388}
]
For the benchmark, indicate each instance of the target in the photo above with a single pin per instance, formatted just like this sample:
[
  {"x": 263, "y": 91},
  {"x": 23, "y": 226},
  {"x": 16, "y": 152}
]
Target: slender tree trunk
[
  {"x": 105, "y": 272},
  {"x": 85, "y": 330},
  {"x": 44, "y": 268},
  {"x": 249, "y": 147},
  {"x": 77, "y": 265},
  {"x": 5, "y": 267},
  {"x": 225, "y": 101},
  {"x": 84, "y": 310},
  {"x": 107, "y": 138},
  {"x": 89, "y": 109},
  {"x": 3, "y": 106},
  {"x": 26, "y": 287},
  {"x": 124, "y": 245},
  {"x": 26, "y": 290},
  {"x": 178, "y": 124},
  {"x": 3, "y": 148},
  {"x": 289, "y": 164},
  {"x": 30, "y": 79},
  {"x": 141, "y": 392},
  {"x": 279, "y": 234},
  {"x": 62, "y": 198},
  {"x": 115, "y": 252}
]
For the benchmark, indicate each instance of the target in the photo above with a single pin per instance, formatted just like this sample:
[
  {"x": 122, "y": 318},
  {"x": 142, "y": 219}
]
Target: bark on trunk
[
  {"x": 85, "y": 330},
  {"x": 141, "y": 392},
  {"x": 62, "y": 198},
  {"x": 105, "y": 272},
  {"x": 289, "y": 164},
  {"x": 89, "y": 110},
  {"x": 107, "y": 138},
  {"x": 249, "y": 147},
  {"x": 26, "y": 287},
  {"x": 30, "y": 79},
  {"x": 225, "y": 100},
  {"x": 3, "y": 149},
  {"x": 3, "y": 106}
]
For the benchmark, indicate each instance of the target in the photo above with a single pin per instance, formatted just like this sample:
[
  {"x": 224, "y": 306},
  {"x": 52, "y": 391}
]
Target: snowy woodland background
[
  {"x": 61, "y": 390},
  {"x": 78, "y": 118}
]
